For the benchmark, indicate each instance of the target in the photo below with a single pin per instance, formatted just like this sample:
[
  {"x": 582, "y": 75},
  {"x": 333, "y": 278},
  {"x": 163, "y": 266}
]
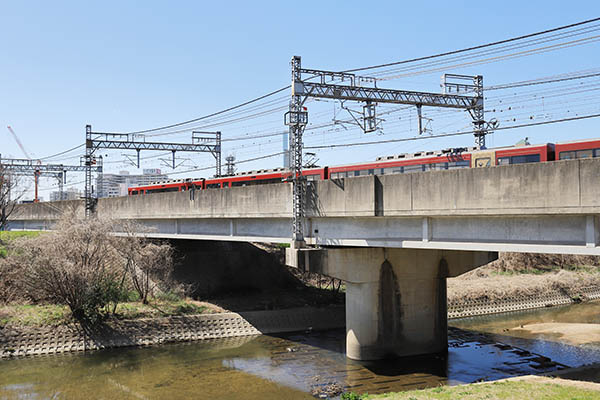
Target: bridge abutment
[{"x": 395, "y": 298}]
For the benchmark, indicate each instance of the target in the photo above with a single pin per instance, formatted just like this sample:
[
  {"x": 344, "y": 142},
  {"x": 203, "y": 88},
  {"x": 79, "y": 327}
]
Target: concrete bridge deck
[{"x": 544, "y": 207}]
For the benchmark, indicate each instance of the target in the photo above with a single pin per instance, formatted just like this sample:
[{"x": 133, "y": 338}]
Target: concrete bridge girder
[{"x": 395, "y": 298}]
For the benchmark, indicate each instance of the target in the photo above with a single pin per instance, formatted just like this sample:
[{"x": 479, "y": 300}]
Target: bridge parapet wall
[
  {"x": 563, "y": 187},
  {"x": 260, "y": 201},
  {"x": 543, "y": 207}
]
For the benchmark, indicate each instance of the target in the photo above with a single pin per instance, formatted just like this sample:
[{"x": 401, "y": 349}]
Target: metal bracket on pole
[
  {"x": 297, "y": 117},
  {"x": 212, "y": 143},
  {"x": 124, "y": 141}
]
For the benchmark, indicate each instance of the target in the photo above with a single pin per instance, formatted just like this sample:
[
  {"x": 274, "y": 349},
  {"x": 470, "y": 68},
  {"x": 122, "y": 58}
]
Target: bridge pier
[{"x": 395, "y": 298}]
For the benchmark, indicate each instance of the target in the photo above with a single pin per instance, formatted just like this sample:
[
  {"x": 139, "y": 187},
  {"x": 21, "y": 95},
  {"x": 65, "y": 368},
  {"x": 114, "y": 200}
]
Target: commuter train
[{"x": 403, "y": 163}]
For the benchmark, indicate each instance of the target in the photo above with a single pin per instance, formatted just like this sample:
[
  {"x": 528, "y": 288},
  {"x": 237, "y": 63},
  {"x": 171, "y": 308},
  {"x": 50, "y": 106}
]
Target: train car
[
  {"x": 578, "y": 149},
  {"x": 402, "y": 163},
  {"x": 176, "y": 185},
  {"x": 406, "y": 163},
  {"x": 512, "y": 155}
]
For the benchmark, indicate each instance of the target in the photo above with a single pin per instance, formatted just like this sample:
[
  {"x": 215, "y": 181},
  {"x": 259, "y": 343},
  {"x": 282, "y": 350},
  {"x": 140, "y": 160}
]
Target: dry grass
[{"x": 515, "y": 274}]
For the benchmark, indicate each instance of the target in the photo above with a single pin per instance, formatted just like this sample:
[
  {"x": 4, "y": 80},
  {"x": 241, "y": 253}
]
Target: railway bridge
[{"x": 394, "y": 239}]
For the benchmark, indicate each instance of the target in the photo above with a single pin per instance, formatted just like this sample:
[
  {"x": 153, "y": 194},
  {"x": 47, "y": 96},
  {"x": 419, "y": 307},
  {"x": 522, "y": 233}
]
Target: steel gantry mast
[
  {"x": 365, "y": 90},
  {"x": 128, "y": 141},
  {"x": 27, "y": 167},
  {"x": 296, "y": 118}
]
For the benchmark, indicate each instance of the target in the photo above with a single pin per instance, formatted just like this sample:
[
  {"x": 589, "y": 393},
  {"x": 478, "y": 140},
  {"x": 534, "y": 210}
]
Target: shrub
[{"x": 81, "y": 264}]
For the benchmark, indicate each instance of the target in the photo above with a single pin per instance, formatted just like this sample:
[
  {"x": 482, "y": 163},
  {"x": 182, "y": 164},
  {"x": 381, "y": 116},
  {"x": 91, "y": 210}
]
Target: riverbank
[
  {"x": 525, "y": 387},
  {"x": 16, "y": 341},
  {"x": 524, "y": 281}
]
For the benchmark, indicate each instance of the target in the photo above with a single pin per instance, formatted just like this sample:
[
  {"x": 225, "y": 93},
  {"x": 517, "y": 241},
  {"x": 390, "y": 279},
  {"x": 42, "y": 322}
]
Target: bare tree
[
  {"x": 83, "y": 265},
  {"x": 9, "y": 195},
  {"x": 147, "y": 262}
]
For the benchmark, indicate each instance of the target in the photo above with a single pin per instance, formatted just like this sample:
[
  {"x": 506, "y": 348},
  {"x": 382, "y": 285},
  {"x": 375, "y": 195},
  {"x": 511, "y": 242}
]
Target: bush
[{"x": 81, "y": 264}]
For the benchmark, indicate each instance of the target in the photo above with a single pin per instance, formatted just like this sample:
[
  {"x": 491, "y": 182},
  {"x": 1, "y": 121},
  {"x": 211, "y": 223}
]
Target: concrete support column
[
  {"x": 395, "y": 298},
  {"x": 401, "y": 310}
]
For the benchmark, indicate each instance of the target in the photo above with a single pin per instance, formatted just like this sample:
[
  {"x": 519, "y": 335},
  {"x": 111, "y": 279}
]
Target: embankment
[{"x": 15, "y": 342}]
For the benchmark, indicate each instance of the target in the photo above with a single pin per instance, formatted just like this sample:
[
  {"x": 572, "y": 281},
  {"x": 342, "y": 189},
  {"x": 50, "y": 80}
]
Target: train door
[{"x": 483, "y": 159}]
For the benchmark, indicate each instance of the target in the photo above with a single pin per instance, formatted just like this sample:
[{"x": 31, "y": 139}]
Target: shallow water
[
  {"x": 500, "y": 327},
  {"x": 290, "y": 366}
]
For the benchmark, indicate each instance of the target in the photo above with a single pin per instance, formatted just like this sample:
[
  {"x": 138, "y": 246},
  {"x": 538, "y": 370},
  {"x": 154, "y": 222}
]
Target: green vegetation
[
  {"x": 6, "y": 236},
  {"x": 81, "y": 265},
  {"x": 10, "y": 235},
  {"x": 495, "y": 390},
  {"x": 32, "y": 315}
]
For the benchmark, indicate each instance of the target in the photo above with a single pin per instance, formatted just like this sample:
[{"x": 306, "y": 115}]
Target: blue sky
[{"x": 126, "y": 65}]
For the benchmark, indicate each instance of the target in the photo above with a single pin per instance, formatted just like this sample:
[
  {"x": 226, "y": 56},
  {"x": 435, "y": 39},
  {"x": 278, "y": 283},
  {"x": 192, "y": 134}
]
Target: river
[{"x": 291, "y": 366}]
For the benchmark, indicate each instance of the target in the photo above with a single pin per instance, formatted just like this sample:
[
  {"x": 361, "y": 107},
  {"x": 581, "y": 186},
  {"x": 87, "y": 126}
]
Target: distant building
[
  {"x": 114, "y": 185},
  {"x": 69, "y": 194}
]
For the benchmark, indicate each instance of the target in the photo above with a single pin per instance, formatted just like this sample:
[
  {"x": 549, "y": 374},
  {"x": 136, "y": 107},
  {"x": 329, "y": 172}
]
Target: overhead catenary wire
[
  {"x": 486, "y": 45},
  {"x": 212, "y": 114},
  {"x": 448, "y": 134},
  {"x": 481, "y": 46},
  {"x": 224, "y": 116}
]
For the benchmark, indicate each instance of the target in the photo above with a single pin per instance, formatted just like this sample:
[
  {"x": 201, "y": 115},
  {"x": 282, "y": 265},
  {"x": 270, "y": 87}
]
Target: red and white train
[{"x": 403, "y": 163}]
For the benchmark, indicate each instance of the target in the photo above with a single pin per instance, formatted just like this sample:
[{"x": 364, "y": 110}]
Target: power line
[
  {"x": 448, "y": 134},
  {"x": 539, "y": 82},
  {"x": 475, "y": 47},
  {"x": 539, "y": 50},
  {"x": 492, "y": 51},
  {"x": 62, "y": 152},
  {"x": 374, "y": 67},
  {"x": 213, "y": 114},
  {"x": 237, "y": 162}
]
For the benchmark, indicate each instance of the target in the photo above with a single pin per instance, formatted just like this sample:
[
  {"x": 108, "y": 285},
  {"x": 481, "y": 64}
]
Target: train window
[
  {"x": 597, "y": 153},
  {"x": 394, "y": 170},
  {"x": 573, "y": 155},
  {"x": 164, "y": 190},
  {"x": 585, "y": 153},
  {"x": 413, "y": 168},
  {"x": 436, "y": 166},
  {"x": 382, "y": 170},
  {"x": 567, "y": 155},
  {"x": 134, "y": 192},
  {"x": 310, "y": 178},
  {"x": 529, "y": 158},
  {"x": 459, "y": 164},
  {"x": 213, "y": 185}
]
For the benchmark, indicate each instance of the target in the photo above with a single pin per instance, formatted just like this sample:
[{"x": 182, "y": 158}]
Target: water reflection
[
  {"x": 501, "y": 329},
  {"x": 291, "y": 366}
]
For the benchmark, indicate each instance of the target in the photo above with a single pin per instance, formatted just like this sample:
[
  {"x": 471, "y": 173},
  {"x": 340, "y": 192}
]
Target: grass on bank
[
  {"x": 7, "y": 236},
  {"x": 36, "y": 315},
  {"x": 492, "y": 390}
]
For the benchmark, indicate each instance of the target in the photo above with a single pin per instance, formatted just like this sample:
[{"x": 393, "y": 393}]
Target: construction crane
[
  {"x": 36, "y": 173},
  {"x": 19, "y": 142}
]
